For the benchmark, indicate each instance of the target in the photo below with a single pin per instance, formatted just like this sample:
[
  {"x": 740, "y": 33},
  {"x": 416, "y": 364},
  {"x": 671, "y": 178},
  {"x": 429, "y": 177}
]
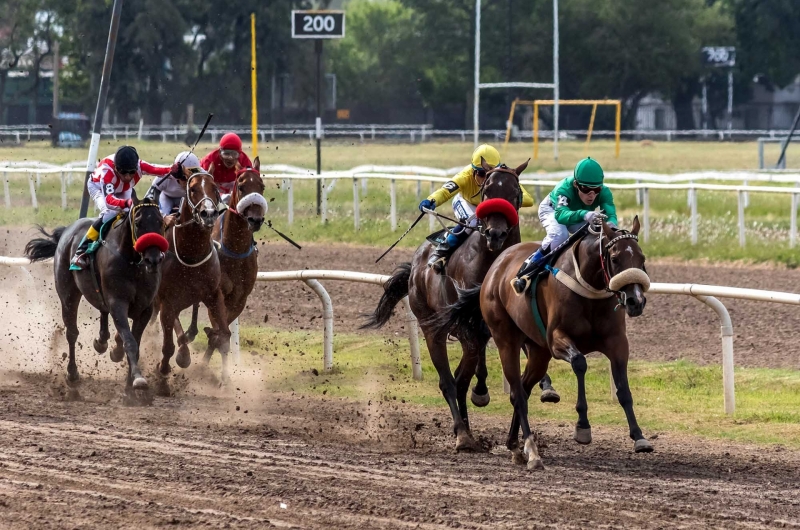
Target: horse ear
[
  {"x": 636, "y": 226},
  {"x": 608, "y": 231},
  {"x": 522, "y": 167},
  {"x": 211, "y": 169},
  {"x": 486, "y": 167},
  {"x": 257, "y": 164},
  {"x": 134, "y": 198}
]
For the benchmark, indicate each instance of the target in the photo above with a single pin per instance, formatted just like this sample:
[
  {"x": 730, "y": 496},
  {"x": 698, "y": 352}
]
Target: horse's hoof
[
  {"x": 100, "y": 347},
  {"x": 517, "y": 458},
  {"x": 140, "y": 383},
  {"x": 164, "y": 368},
  {"x": 162, "y": 388},
  {"x": 117, "y": 354},
  {"x": 479, "y": 400},
  {"x": 549, "y": 396},
  {"x": 465, "y": 443},
  {"x": 190, "y": 335},
  {"x": 73, "y": 380},
  {"x": 137, "y": 398},
  {"x": 642, "y": 446},
  {"x": 72, "y": 394},
  {"x": 184, "y": 358},
  {"x": 583, "y": 436},
  {"x": 535, "y": 464}
]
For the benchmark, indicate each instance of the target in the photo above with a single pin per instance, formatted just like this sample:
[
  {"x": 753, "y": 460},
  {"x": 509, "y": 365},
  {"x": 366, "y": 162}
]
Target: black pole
[
  {"x": 101, "y": 102},
  {"x": 318, "y": 51},
  {"x": 788, "y": 139}
]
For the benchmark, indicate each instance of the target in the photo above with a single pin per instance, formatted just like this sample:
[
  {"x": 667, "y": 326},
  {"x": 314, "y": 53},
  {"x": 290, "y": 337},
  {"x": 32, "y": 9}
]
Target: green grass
[
  {"x": 767, "y": 218},
  {"x": 669, "y": 397}
]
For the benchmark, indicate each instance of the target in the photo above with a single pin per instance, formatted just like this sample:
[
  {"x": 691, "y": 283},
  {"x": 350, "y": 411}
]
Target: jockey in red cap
[{"x": 223, "y": 163}]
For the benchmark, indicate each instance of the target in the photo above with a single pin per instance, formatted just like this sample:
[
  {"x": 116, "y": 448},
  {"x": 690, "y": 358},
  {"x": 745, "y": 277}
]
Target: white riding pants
[
  {"x": 556, "y": 233},
  {"x": 465, "y": 211},
  {"x": 166, "y": 203}
]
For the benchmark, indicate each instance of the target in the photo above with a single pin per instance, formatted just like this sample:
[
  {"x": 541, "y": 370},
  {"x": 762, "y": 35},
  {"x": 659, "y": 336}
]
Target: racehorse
[
  {"x": 238, "y": 255},
  {"x": 430, "y": 293},
  {"x": 577, "y": 310},
  {"x": 122, "y": 281},
  {"x": 191, "y": 272}
]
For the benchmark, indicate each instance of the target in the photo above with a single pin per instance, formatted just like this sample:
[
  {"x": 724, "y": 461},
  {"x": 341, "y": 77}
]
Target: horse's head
[
  {"x": 147, "y": 233},
  {"x": 624, "y": 263},
  {"x": 248, "y": 195},
  {"x": 501, "y": 198},
  {"x": 202, "y": 198}
]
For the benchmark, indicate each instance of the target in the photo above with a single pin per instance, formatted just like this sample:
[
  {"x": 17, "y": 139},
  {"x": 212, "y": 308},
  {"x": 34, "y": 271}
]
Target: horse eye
[{"x": 614, "y": 259}]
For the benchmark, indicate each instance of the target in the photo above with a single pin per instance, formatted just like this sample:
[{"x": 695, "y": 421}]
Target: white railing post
[
  {"x": 364, "y": 186},
  {"x": 740, "y": 208},
  {"x": 63, "y": 191},
  {"x": 327, "y": 316},
  {"x": 793, "y": 224},
  {"x": 693, "y": 193},
  {"x": 235, "y": 350},
  {"x": 639, "y": 193},
  {"x": 38, "y": 180},
  {"x": 413, "y": 341},
  {"x": 726, "y": 328},
  {"x": 646, "y": 200},
  {"x": 419, "y": 190},
  {"x": 746, "y": 196},
  {"x": 356, "y": 205},
  {"x": 32, "y": 186},
  {"x": 393, "y": 213},
  {"x": 290, "y": 200},
  {"x": 6, "y": 192}
]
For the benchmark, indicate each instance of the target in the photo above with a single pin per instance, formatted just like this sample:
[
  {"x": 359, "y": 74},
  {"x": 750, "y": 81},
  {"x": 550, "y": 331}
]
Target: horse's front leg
[
  {"x": 119, "y": 313},
  {"x": 101, "y": 342},
  {"x": 564, "y": 348},
  {"x": 184, "y": 357},
  {"x": 617, "y": 351},
  {"x": 191, "y": 333},
  {"x": 480, "y": 392},
  {"x": 549, "y": 394},
  {"x": 167, "y": 347},
  {"x": 218, "y": 315}
]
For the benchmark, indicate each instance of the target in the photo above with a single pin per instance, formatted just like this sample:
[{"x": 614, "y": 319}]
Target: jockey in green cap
[{"x": 571, "y": 204}]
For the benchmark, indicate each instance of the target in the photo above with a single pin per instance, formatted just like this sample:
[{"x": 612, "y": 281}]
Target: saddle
[{"x": 104, "y": 228}]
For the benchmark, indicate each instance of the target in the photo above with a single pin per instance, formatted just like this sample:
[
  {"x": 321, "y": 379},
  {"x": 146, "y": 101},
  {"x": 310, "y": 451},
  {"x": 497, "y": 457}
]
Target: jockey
[
  {"x": 465, "y": 188},
  {"x": 110, "y": 188},
  {"x": 222, "y": 163},
  {"x": 173, "y": 187},
  {"x": 571, "y": 204}
]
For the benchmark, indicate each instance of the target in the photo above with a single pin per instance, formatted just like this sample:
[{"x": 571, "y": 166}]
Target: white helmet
[{"x": 187, "y": 159}]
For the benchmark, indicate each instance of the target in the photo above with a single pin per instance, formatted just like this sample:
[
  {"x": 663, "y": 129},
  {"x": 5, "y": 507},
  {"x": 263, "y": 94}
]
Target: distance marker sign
[{"x": 317, "y": 24}]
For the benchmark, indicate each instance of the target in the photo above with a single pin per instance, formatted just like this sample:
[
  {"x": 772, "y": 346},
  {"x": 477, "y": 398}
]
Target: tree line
[{"x": 399, "y": 55}]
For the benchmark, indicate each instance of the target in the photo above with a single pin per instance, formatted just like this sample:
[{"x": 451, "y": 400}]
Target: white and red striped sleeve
[
  {"x": 109, "y": 182},
  {"x": 153, "y": 169}
]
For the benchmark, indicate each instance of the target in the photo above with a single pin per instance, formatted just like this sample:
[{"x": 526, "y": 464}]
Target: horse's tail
[
  {"x": 463, "y": 318},
  {"x": 394, "y": 290},
  {"x": 42, "y": 248}
]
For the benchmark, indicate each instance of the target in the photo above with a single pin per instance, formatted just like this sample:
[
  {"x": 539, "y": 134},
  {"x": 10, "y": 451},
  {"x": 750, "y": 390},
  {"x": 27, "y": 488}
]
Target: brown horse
[
  {"x": 122, "y": 282},
  {"x": 191, "y": 271},
  {"x": 578, "y": 309},
  {"x": 430, "y": 293},
  {"x": 238, "y": 255}
]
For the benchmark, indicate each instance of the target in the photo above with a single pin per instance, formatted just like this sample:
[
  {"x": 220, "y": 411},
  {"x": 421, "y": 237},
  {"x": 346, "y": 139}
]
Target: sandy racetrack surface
[{"x": 240, "y": 458}]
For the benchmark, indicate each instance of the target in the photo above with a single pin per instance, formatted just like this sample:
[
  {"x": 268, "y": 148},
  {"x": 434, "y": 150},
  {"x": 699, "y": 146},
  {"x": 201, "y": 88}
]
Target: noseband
[
  {"x": 502, "y": 168},
  {"x": 206, "y": 199},
  {"x": 628, "y": 276},
  {"x": 145, "y": 238}
]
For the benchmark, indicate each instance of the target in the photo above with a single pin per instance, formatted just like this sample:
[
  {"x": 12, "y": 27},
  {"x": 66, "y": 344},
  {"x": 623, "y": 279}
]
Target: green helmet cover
[{"x": 589, "y": 173}]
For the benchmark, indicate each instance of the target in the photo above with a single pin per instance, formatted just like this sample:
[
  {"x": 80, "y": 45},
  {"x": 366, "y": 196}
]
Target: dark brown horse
[
  {"x": 430, "y": 293},
  {"x": 191, "y": 272},
  {"x": 578, "y": 305},
  {"x": 238, "y": 255},
  {"x": 122, "y": 282}
]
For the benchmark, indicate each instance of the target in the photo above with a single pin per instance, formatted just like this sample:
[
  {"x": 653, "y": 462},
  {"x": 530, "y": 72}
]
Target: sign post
[
  {"x": 318, "y": 25},
  {"x": 253, "y": 81}
]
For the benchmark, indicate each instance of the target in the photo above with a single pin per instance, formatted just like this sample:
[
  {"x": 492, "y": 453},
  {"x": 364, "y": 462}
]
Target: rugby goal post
[{"x": 537, "y": 102}]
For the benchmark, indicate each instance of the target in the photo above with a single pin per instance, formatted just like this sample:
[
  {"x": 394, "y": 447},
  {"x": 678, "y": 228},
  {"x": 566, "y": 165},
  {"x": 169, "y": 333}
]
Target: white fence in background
[
  {"x": 705, "y": 293},
  {"x": 644, "y": 183}
]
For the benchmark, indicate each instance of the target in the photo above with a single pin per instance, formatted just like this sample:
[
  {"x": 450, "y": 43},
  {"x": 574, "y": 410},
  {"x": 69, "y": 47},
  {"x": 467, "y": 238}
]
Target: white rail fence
[
  {"x": 644, "y": 183},
  {"x": 708, "y": 294}
]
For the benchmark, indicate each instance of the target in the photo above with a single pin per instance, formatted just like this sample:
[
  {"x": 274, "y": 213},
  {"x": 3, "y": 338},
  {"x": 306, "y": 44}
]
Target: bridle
[
  {"x": 219, "y": 205},
  {"x": 605, "y": 257},
  {"x": 134, "y": 237},
  {"x": 502, "y": 168}
]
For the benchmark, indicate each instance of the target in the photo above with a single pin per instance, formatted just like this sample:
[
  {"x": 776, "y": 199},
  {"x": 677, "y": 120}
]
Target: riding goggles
[
  {"x": 229, "y": 153},
  {"x": 589, "y": 189},
  {"x": 126, "y": 171}
]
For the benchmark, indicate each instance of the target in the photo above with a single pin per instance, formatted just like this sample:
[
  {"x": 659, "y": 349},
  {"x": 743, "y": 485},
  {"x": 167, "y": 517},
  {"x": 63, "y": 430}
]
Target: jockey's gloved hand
[
  {"x": 129, "y": 204},
  {"x": 595, "y": 218},
  {"x": 427, "y": 204},
  {"x": 176, "y": 170}
]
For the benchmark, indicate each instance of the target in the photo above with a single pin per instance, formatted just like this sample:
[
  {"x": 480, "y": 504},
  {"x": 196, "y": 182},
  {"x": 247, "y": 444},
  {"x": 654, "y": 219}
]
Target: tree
[{"x": 16, "y": 31}]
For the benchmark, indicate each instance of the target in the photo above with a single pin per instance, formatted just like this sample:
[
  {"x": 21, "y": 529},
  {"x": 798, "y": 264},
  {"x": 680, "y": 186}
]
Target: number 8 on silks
[{"x": 111, "y": 188}]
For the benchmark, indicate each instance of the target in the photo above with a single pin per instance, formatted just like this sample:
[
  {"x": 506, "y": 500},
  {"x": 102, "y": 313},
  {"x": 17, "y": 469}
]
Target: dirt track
[
  {"x": 193, "y": 461},
  {"x": 233, "y": 459}
]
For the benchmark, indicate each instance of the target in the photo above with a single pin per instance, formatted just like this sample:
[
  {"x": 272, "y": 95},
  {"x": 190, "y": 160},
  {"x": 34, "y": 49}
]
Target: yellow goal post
[{"x": 537, "y": 102}]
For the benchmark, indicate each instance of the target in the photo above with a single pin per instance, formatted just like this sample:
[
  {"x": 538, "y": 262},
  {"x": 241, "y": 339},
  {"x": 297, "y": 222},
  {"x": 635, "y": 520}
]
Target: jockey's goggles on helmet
[
  {"x": 589, "y": 189},
  {"x": 229, "y": 153},
  {"x": 126, "y": 171}
]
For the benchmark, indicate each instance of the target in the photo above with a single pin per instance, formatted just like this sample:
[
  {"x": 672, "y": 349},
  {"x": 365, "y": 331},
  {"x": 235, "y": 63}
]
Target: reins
[
  {"x": 604, "y": 252},
  {"x": 195, "y": 219}
]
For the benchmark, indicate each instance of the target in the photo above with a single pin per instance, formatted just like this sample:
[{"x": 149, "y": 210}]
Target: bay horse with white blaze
[
  {"x": 122, "y": 281},
  {"x": 238, "y": 254},
  {"x": 575, "y": 313},
  {"x": 430, "y": 293},
  {"x": 191, "y": 272}
]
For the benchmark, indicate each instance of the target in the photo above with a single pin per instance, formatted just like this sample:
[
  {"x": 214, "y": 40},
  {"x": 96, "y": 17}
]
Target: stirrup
[
  {"x": 437, "y": 265},
  {"x": 76, "y": 263},
  {"x": 521, "y": 284}
]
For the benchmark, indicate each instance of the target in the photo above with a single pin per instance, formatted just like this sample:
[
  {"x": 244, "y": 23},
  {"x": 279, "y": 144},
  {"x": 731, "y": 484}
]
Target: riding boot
[
  {"x": 531, "y": 266},
  {"x": 444, "y": 250},
  {"x": 80, "y": 259}
]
